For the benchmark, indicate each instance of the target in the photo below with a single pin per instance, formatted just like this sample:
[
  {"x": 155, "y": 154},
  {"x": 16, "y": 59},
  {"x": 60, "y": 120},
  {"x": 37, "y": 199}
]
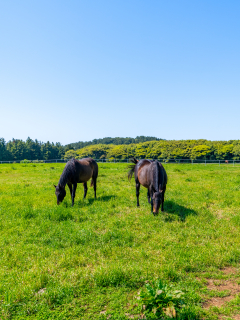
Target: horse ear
[{"x": 55, "y": 186}]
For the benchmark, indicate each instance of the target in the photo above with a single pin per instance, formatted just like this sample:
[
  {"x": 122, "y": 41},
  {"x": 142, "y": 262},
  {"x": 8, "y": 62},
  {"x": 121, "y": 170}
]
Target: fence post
[
  {"x": 233, "y": 162},
  {"x": 219, "y": 162},
  {"x": 205, "y": 162}
]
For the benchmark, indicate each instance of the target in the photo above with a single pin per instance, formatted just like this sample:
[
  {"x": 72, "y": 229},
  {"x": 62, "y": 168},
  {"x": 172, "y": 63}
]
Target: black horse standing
[
  {"x": 77, "y": 171},
  {"x": 152, "y": 176}
]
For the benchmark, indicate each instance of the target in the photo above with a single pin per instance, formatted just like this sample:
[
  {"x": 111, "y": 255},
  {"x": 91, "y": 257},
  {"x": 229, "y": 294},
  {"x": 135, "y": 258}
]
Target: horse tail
[
  {"x": 165, "y": 176},
  {"x": 95, "y": 172},
  {"x": 132, "y": 168}
]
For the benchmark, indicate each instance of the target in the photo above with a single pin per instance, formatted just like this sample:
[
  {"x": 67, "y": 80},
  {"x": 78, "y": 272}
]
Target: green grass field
[{"x": 90, "y": 261}]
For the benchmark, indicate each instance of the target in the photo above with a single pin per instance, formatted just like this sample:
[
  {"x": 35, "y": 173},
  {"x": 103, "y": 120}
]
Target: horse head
[
  {"x": 60, "y": 193},
  {"x": 157, "y": 200}
]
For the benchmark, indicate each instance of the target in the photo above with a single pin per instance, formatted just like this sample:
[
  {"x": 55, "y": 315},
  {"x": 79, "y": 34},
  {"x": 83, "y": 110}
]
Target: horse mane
[
  {"x": 67, "y": 173},
  {"x": 132, "y": 168}
]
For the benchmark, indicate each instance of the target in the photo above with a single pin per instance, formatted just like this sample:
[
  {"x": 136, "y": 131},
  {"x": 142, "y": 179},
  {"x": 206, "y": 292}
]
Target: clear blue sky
[{"x": 79, "y": 70}]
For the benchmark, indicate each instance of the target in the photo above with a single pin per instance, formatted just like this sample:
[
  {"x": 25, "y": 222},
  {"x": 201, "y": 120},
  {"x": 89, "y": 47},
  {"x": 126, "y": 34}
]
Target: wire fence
[{"x": 178, "y": 161}]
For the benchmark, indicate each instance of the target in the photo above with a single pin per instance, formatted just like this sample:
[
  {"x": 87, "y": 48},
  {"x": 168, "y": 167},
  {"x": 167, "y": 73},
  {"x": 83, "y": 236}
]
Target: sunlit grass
[{"x": 89, "y": 261}]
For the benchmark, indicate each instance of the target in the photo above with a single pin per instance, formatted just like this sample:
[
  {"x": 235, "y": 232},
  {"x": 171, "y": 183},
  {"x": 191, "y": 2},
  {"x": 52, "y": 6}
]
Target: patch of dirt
[
  {"x": 222, "y": 285},
  {"x": 220, "y": 214},
  {"x": 217, "y": 302},
  {"x": 234, "y": 317},
  {"x": 229, "y": 270}
]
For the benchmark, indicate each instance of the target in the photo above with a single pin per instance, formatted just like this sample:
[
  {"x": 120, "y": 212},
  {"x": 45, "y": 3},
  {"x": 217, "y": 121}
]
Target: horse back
[
  {"x": 86, "y": 169},
  {"x": 142, "y": 172},
  {"x": 152, "y": 174},
  {"x": 93, "y": 165}
]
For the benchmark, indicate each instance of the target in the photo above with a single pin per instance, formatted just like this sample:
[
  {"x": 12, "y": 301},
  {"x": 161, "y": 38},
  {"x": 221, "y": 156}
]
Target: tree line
[
  {"x": 32, "y": 150},
  {"x": 154, "y": 149},
  {"x": 162, "y": 149},
  {"x": 17, "y": 149},
  {"x": 108, "y": 140}
]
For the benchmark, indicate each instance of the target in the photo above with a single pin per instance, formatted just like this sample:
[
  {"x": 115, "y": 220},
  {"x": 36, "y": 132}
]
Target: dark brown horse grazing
[
  {"x": 77, "y": 171},
  {"x": 152, "y": 176}
]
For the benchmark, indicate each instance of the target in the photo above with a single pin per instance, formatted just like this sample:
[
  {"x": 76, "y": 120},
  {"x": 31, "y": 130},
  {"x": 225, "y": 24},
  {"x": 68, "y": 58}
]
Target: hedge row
[{"x": 173, "y": 149}]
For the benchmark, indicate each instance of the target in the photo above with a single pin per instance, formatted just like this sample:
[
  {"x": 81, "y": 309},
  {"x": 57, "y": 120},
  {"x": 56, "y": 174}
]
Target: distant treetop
[{"x": 108, "y": 140}]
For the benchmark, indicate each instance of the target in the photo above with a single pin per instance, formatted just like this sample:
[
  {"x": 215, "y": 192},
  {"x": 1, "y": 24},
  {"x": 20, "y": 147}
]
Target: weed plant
[
  {"x": 161, "y": 300},
  {"x": 91, "y": 260}
]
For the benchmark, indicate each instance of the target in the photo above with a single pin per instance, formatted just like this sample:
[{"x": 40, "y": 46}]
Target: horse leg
[
  {"x": 164, "y": 189},
  {"x": 85, "y": 189},
  {"x": 148, "y": 196},
  {"x": 73, "y": 192},
  {"x": 152, "y": 201},
  {"x": 137, "y": 192},
  {"x": 70, "y": 188},
  {"x": 95, "y": 188}
]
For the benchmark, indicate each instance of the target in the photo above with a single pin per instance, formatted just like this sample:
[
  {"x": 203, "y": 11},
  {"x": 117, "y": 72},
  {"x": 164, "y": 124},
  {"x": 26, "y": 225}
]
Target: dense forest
[
  {"x": 113, "y": 149},
  {"x": 31, "y": 150},
  {"x": 17, "y": 149}
]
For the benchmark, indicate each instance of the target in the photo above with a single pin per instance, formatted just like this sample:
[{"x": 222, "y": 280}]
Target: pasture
[{"x": 90, "y": 261}]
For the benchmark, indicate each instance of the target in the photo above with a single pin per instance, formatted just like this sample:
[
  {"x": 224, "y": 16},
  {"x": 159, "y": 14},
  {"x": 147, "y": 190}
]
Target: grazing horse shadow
[
  {"x": 83, "y": 202},
  {"x": 107, "y": 198},
  {"x": 181, "y": 211}
]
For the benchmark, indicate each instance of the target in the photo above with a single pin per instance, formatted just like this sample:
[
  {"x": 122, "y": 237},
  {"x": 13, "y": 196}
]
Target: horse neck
[
  {"x": 65, "y": 176},
  {"x": 62, "y": 181}
]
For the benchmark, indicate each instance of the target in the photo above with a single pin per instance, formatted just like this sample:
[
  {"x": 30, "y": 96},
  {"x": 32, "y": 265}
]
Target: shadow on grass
[
  {"x": 176, "y": 209},
  {"x": 89, "y": 201}
]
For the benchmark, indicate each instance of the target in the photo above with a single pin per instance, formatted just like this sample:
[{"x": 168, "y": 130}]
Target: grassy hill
[{"x": 91, "y": 261}]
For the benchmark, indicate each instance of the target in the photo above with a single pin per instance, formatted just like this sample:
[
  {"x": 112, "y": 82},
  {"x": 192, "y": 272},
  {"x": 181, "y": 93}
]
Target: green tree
[
  {"x": 236, "y": 152},
  {"x": 118, "y": 152},
  {"x": 4, "y": 154},
  {"x": 224, "y": 151},
  {"x": 70, "y": 154},
  {"x": 201, "y": 152}
]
